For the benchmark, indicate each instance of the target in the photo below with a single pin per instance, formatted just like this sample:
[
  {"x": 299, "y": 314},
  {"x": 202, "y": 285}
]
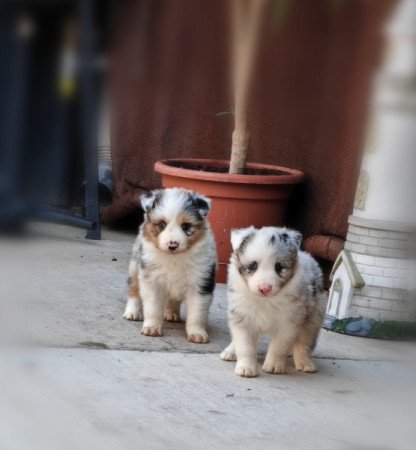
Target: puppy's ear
[
  {"x": 202, "y": 204},
  {"x": 150, "y": 199},
  {"x": 238, "y": 236},
  {"x": 291, "y": 237}
]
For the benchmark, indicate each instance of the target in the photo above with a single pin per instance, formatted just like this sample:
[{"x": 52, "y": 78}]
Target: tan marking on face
[
  {"x": 198, "y": 228},
  {"x": 289, "y": 271},
  {"x": 185, "y": 218},
  {"x": 197, "y": 236},
  {"x": 151, "y": 232}
]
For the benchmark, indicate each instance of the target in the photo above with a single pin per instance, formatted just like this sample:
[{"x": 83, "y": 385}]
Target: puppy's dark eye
[
  {"x": 186, "y": 227},
  {"x": 278, "y": 267},
  {"x": 162, "y": 225},
  {"x": 252, "y": 267}
]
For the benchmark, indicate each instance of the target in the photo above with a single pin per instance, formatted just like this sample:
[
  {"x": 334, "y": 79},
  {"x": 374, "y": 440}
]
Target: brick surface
[
  {"x": 403, "y": 263},
  {"x": 368, "y": 312},
  {"x": 358, "y": 230},
  {"x": 373, "y": 270},
  {"x": 368, "y": 240},
  {"x": 404, "y": 245},
  {"x": 353, "y": 237},
  {"x": 386, "y": 262},
  {"x": 353, "y": 312},
  {"x": 363, "y": 302},
  {"x": 386, "y": 305},
  {"x": 396, "y": 253},
  {"x": 400, "y": 306},
  {"x": 378, "y": 251},
  {"x": 371, "y": 291},
  {"x": 379, "y": 233},
  {"x": 364, "y": 259},
  {"x": 398, "y": 235},
  {"x": 383, "y": 282},
  {"x": 400, "y": 283},
  {"x": 369, "y": 279},
  {"x": 395, "y": 273},
  {"x": 389, "y": 243},
  {"x": 394, "y": 294}
]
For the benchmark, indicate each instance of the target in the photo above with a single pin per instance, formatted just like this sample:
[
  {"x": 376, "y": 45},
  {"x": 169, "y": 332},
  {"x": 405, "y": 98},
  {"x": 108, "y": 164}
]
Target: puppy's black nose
[{"x": 173, "y": 245}]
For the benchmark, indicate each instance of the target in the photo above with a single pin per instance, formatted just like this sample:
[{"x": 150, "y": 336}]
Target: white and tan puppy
[
  {"x": 273, "y": 289},
  {"x": 174, "y": 260}
]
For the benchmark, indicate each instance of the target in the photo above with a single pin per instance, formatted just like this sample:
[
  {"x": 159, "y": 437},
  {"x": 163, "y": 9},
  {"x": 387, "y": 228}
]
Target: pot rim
[{"x": 292, "y": 176}]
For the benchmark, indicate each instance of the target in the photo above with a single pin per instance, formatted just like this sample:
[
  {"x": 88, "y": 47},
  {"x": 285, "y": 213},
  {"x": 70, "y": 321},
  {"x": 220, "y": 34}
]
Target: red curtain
[{"x": 170, "y": 79}]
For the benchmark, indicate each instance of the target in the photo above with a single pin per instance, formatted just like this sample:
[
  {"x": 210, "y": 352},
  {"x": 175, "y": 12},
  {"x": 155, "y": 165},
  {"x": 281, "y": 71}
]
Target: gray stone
[
  {"x": 354, "y": 327},
  {"x": 361, "y": 327},
  {"x": 367, "y": 323}
]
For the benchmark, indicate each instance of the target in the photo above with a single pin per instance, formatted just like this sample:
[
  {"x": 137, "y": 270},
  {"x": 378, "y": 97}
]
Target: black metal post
[{"x": 89, "y": 116}]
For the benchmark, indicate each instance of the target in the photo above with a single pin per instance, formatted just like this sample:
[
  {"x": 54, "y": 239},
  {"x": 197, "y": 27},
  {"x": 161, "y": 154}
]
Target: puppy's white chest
[
  {"x": 173, "y": 275},
  {"x": 263, "y": 315}
]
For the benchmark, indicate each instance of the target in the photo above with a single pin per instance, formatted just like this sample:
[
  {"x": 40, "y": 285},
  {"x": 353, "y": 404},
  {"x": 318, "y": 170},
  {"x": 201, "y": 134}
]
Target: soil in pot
[{"x": 219, "y": 169}]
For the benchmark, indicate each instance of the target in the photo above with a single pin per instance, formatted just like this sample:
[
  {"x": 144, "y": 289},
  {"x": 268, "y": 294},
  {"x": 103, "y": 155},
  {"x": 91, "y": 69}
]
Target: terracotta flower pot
[{"x": 237, "y": 200}]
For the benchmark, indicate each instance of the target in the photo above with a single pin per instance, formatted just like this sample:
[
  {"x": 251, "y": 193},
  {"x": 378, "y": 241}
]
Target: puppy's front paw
[
  {"x": 133, "y": 311},
  {"x": 276, "y": 367},
  {"x": 246, "y": 370},
  {"x": 152, "y": 331},
  {"x": 170, "y": 316},
  {"x": 227, "y": 355},
  {"x": 198, "y": 337},
  {"x": 306, "y": 365}
]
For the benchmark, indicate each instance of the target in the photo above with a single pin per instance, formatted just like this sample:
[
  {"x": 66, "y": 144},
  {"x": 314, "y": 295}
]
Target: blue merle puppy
[
  {"x": 274, "y": 289},
  {"x": 174, "y": 259}
]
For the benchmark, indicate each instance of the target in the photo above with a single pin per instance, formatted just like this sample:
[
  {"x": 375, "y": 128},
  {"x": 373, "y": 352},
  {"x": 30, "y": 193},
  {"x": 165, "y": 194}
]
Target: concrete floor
[{"x": 86, "y": 378}]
